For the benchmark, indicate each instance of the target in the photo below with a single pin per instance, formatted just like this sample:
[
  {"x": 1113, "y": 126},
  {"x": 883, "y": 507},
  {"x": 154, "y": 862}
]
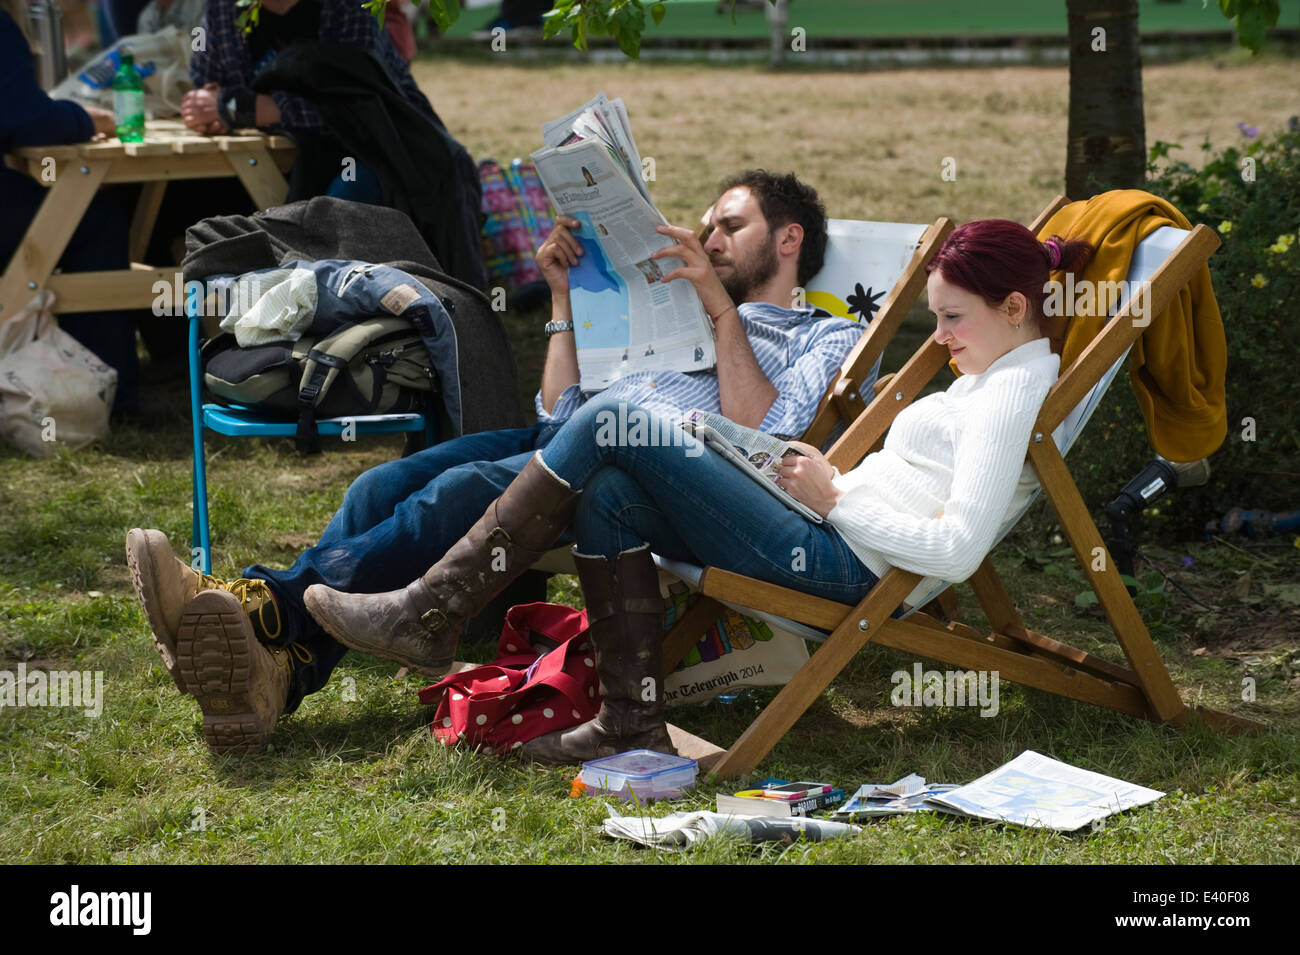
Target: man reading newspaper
[{"x": 249, "y": 651}]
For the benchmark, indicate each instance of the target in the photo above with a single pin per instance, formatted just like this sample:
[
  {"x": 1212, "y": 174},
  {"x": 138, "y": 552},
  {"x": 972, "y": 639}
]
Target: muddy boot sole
[
  {"x": 215, "y": 661},
  {"x": 144, "y": 577}
]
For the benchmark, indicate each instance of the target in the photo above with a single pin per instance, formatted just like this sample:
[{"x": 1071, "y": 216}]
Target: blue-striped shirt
[{"x": 799, "y": 354}]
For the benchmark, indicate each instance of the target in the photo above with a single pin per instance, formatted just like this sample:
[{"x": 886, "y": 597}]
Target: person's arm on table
[{"x": 30, "y": 117}]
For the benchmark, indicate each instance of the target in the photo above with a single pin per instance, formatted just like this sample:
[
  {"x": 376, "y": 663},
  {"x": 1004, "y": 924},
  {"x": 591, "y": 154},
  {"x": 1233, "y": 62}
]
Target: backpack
[
  {"x": 517, "y": 218},
  {"x": 376, "y": 366}
]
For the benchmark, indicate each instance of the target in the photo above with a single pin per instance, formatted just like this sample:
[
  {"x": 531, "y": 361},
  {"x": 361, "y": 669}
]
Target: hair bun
[{"x": 1052, "y": 249}]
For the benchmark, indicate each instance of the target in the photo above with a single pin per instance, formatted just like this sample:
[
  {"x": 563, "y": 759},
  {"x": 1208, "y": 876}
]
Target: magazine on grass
[
  {"x": 625, "y": 319},
  {"x": 757, "y": 455}
]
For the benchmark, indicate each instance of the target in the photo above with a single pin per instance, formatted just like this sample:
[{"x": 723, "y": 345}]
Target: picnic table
[{"x": 75, "y": 173}]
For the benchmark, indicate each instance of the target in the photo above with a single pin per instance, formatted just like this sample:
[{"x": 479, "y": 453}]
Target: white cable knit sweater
[{"x": 951, "y": 470}]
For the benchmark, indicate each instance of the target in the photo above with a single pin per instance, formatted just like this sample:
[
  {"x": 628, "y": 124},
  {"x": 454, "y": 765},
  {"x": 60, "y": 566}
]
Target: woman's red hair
[{"x": 992, "y": 258}]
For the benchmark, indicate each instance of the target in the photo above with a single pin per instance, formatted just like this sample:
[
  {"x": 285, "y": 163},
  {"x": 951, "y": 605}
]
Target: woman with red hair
[{"x": 930, "y": 501}]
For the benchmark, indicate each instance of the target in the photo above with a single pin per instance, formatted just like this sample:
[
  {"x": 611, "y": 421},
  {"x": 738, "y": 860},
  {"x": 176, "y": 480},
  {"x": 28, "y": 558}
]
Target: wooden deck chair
[
  {"x": 1167, "y": 259},
  {"x": 863, "y": 259}
]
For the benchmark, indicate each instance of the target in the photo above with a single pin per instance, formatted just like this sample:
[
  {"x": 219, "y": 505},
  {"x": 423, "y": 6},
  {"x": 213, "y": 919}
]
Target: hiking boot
[
  {"x": 625, "y": 617},
  {"x": 164, "y": 584},
  {"x": 241, "y": 685},
  {"x": 420, "y": 625}
]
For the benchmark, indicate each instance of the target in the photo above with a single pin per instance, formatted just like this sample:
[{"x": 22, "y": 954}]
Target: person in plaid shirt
[{"x": 223, "y": 72}]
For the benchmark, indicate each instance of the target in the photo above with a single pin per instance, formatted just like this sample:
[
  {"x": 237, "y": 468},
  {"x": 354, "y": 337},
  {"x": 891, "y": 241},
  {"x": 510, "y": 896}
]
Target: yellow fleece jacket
[{"x": 1178, "y": 366}]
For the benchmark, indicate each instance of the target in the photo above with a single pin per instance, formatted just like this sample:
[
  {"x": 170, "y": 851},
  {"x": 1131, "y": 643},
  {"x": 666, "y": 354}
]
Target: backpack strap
[{"x": 326, "y": 360}]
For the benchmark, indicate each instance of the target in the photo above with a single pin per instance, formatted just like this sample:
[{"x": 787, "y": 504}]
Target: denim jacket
[{"x": 348, "y": 291}]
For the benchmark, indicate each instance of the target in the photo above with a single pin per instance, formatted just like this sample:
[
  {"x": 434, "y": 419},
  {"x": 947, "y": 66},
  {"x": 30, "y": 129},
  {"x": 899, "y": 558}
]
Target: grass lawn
[{"x": 354, "y": 775}]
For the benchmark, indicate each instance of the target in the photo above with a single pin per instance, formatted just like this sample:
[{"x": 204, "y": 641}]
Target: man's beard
[{"x": 748, "y": 276}]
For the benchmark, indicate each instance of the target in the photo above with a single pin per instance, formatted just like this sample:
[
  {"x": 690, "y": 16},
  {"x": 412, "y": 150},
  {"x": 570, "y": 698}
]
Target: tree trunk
[
  {"x": 1107, "y": 134},
  {"x": 777, "y": 39}
]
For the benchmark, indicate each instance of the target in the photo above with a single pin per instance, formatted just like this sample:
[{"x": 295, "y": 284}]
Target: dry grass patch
[{"x": 871, "y": 142}]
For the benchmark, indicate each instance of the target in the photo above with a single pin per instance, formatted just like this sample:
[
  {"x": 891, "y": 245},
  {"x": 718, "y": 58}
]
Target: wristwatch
[{"x": 554, "y": 327}]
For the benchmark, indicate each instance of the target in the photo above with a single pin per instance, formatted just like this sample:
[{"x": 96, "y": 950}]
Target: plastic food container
[{"x": 639, "y": 774}]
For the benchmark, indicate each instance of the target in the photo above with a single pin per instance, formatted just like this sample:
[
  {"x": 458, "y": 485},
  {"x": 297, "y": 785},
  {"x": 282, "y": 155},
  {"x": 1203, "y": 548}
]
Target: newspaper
[
  {"x": 605, "y": 121},
  {"x": 625, "y": 319},
  {"x": 1036, "y": 790},
  {"x": 757, "y": 455},
  {"x": 682, "y": 830},
  {"x": 909, "y": 794}
]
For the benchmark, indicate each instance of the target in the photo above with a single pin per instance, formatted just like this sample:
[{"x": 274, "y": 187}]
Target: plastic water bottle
[{"x": 128, "y": 101}]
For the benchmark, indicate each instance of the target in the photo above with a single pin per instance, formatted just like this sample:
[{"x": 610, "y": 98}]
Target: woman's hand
[
  {"x": 807, "y": 476},
  {"x": 696, "y": 268},
  {"x": 199, "y": 110},
  {"x": 105, "y": 122},
  {"x": 560, "y": 251}
]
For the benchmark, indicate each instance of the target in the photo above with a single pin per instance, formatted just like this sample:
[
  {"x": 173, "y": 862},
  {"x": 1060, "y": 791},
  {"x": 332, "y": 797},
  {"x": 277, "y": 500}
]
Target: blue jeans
[
  {"x": 688, "y": 503},
  {"x": 397, "y": 520}
]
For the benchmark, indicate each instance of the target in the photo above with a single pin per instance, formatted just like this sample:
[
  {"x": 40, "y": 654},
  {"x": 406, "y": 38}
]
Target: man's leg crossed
[{"x": 417, "y": 534}]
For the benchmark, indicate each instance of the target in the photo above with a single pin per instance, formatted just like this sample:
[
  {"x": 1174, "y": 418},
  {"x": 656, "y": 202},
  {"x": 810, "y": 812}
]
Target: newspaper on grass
[
  {"x": 683, "y": 830},
  {"x": 1036, "y": 790},
  {"x": 757, "y": 455},
  {"x": 907, "y": 795},
  {"x": 625, "y": 319}
]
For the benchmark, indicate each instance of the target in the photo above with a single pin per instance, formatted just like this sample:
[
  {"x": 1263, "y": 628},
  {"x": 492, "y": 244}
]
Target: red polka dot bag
[{"x": 543, "y": 679}]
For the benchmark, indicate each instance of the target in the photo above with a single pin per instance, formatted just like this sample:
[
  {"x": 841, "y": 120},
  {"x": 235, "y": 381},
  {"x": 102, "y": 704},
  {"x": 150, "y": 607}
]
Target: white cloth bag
[
  {"x": 53, "y": 390},
  {"x": 167, "y": 51}
]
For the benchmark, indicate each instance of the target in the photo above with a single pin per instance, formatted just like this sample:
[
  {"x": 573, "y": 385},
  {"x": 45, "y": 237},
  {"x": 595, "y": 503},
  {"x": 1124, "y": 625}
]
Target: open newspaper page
[
  {"x": 605, "y": 121},
  {"x": 757, "y": 455},
  {"x": 1036, "y": 790},
  {"x": 625, "y": 319}
]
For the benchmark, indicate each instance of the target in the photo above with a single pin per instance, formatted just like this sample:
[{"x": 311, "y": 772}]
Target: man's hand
[
  {"x": 696, "y": 268},
  {"x": 807, "y": 476},
  {"x": 743, "y": 390},
  {"x": 105, "y": 122},
  {"x": 199, "y": 111},
  {"x": 557, "y": 253}
]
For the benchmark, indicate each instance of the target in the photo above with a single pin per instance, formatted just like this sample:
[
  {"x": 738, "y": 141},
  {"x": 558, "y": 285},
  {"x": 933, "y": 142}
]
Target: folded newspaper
[
  {"x": 682, "y": 830},
  {"x": 625, "y": 319},
  {"x": 757, "y": 455}
]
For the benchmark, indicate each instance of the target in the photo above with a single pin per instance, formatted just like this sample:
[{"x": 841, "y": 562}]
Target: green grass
[
  {"x": 888, "y": 18},
  {"x": 354, "y": 775}
]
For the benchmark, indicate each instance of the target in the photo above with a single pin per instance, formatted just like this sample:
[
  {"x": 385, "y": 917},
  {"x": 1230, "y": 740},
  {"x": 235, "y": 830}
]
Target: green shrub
[{"x": 1256, "y": 275}]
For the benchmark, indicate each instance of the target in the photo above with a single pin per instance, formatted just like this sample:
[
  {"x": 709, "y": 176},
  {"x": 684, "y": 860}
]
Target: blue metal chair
[{"x": 236, "y": 421}]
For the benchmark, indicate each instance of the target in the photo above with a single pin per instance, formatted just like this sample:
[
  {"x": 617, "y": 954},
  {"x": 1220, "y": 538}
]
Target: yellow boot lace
[{"x": 251, "y": 591}]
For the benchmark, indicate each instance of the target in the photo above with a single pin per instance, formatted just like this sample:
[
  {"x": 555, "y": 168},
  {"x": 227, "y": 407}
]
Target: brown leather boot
[
  {"x": 164, "y": 584},
  {"x": 241, "y": 685},
  {"x": 625, "y": 616},
  {"x": 419, "y": 625}
]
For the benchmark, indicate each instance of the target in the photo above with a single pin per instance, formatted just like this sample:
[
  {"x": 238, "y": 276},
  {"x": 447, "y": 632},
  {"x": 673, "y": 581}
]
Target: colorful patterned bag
[
  {"x": 517, "y": 218},
  {"x": 543, "y": 679}
]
